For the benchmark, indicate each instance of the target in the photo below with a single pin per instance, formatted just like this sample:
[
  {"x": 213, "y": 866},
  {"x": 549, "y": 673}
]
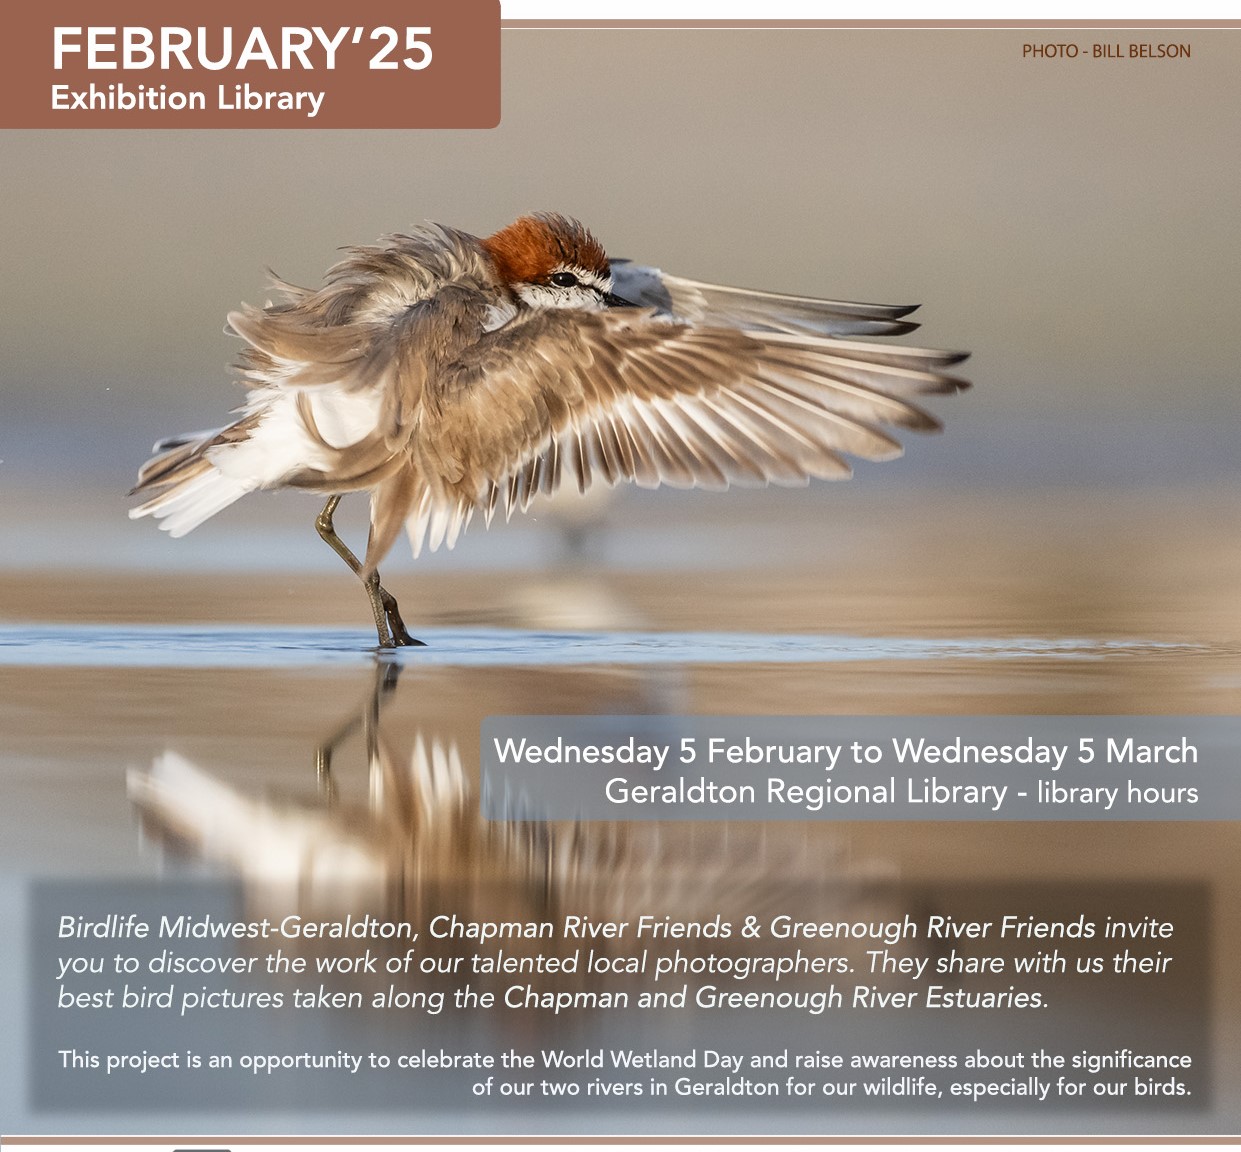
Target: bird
[{"x": 449, "y": 375}]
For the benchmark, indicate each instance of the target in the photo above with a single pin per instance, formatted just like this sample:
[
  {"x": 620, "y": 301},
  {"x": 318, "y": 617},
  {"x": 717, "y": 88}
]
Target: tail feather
[
  {"x": 171, "y": 458},
  {"x": 194, "y": 438},
  {"x": 193, "y": 498},
  {"x": 188, "y": 487}
]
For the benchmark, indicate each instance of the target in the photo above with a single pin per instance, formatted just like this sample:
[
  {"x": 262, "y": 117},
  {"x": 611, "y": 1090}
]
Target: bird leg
[{"x": 388, "y": 623}]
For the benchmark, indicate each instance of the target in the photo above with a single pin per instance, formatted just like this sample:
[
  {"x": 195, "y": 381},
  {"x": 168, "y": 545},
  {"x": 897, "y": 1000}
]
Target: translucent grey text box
[{"x": 861, "y": 767}]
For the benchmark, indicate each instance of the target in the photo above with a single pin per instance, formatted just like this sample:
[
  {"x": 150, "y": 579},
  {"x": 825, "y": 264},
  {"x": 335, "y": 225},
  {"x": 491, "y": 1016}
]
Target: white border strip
[{"x": 663, "y": 11}]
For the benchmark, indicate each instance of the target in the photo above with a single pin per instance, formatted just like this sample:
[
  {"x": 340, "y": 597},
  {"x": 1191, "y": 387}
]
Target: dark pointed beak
[{"x": 614, "y": 301}]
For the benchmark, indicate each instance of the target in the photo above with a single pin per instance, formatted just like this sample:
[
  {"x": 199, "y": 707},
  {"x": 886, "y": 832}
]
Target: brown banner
[{"x": 235, "y": 64}]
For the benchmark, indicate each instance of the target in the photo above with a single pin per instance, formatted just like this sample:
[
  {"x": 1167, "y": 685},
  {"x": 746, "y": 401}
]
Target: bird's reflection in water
[{"x": 413, "y": 846}]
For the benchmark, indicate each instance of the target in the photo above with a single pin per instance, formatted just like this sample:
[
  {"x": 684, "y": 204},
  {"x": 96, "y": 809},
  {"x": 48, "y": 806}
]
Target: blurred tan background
[{"x": 1073, "y": 222}]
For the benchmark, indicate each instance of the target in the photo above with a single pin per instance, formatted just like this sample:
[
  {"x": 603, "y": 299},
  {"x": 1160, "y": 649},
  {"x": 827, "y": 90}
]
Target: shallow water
[
  {"x": 204, "y": 646},
  {"x": 162, "y": 725}
]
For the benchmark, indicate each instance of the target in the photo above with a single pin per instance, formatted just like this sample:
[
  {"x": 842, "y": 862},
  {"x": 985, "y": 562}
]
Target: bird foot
[{"x": 392, "y": 632}]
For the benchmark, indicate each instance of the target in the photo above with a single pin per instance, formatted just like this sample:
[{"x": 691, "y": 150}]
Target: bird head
[{"x": 550, "y": 261}]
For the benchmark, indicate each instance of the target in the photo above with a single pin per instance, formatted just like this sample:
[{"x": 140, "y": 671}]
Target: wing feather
[
  {"x": 696, "y": 302},
  {"x": 624, "y": 395}
]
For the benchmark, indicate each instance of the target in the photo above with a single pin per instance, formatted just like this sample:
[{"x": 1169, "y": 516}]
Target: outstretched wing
[
  {"x": 695, "y": 302},
  {"x": 624, "y": 395}
]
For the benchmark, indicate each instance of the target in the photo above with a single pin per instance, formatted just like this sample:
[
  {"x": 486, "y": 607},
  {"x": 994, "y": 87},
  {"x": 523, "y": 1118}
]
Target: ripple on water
[{"x": 215, "y": 646}]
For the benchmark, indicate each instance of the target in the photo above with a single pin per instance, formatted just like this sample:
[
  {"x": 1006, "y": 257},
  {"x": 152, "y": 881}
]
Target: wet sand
[{"x": 1157, "y": 563}]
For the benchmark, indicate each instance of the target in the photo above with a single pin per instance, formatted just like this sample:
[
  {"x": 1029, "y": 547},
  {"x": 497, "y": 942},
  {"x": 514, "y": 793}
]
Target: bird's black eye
[{"x": 564, "y": 280}]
